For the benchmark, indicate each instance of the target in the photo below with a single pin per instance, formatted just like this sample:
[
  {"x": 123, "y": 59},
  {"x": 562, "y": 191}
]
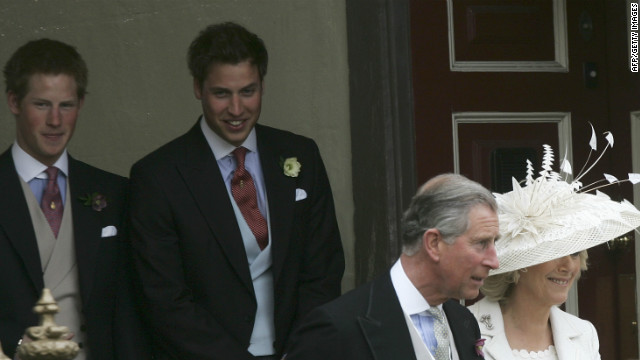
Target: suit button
[
  {"x": 80, "y": 345},
  {"x": 83, "y": 328}
]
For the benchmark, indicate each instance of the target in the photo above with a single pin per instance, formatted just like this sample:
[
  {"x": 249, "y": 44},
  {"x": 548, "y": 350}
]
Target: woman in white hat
[{"x": 545, "y": 228}]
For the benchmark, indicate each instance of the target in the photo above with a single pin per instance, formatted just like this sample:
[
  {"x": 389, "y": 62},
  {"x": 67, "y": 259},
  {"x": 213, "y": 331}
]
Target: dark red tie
[
  {"x": 244, "y": 193},
  {"x": 52, "y": 201}
]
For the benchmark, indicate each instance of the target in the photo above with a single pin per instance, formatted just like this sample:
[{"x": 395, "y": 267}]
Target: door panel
[
  {"x": 477, "y": 56},
  {"x": 503, "y": 30},
  {"x": 477, "y": 142}
]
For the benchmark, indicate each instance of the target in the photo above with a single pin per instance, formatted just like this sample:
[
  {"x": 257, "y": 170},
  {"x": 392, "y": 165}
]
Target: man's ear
[
  {"x": 431, "y": 241},
  {"x": 197, "y": 89},
  {"x": 13, "y": 103}
]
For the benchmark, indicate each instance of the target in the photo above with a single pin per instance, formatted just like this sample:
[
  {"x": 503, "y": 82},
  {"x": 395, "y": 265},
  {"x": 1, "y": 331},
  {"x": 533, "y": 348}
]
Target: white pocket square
[
  {"x": 109, "y": 231},
  {"x": 300, "y": 194}
]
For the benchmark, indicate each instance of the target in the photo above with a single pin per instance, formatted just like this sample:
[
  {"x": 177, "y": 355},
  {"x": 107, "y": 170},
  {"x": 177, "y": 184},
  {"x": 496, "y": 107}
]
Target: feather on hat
[{"x": 550, "y": 218}]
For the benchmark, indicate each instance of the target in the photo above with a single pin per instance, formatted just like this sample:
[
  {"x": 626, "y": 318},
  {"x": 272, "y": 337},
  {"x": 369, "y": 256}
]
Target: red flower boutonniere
[
  {"x": 96, "y": 200},
  {"x": 479, "y": 346}
]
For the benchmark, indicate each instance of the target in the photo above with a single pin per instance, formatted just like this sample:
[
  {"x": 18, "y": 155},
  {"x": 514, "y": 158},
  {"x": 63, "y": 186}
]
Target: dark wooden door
[{"x": 494, "y": 75}]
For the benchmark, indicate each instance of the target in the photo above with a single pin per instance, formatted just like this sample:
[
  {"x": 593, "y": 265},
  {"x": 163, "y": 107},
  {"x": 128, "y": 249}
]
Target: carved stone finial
[{"x": 49, "y": 341}]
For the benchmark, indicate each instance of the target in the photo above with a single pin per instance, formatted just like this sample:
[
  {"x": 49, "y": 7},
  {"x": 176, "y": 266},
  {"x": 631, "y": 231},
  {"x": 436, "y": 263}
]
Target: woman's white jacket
[{"x": 574, "y": 338}]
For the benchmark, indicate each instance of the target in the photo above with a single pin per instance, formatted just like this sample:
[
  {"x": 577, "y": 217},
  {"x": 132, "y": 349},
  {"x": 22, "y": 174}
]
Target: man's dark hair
[
  {"x": 44, "y": 56},
  {"x": 226, "y": 43}
]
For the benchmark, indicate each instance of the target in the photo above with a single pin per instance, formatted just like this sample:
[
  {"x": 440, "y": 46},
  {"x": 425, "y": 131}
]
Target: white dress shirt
[
  {"x": 412, "y": 303},
  {"x": 33, "y": 172},
  {"x": 223, "y": 152}
]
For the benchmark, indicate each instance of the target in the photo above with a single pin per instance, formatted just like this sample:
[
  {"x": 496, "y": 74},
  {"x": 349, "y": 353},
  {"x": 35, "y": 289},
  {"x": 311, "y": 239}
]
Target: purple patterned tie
[
  {"x": 244, "y": 193},
  {"x": 51, "y": 204}
]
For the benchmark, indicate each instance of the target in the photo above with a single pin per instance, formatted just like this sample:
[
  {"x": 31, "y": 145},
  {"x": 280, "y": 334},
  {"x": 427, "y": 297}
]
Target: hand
[{"x": 3, "y": 356}]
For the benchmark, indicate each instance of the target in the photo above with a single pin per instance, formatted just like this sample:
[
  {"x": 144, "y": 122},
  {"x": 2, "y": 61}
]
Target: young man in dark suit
[
  {"x": 233, "y": 223},
  {"x": 448, "y": 239},
  {"x": 62, "y": 222}
]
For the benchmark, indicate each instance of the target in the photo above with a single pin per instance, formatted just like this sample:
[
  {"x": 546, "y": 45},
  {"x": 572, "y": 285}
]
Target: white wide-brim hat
[
  {"x": 547, "y": 220},
  {"x": 550, "y": 218}
]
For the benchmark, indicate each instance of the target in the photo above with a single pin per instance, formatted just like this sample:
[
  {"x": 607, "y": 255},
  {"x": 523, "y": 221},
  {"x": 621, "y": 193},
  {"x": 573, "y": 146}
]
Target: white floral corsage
[{"x": 291, "y": 166}]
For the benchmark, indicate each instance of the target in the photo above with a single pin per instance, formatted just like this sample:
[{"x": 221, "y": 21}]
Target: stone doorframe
[{"x": 382, "y": 129}]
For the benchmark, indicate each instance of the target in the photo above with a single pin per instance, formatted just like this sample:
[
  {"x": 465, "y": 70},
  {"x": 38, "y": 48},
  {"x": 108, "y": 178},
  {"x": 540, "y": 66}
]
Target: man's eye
[{"x": 220, "y": 93}]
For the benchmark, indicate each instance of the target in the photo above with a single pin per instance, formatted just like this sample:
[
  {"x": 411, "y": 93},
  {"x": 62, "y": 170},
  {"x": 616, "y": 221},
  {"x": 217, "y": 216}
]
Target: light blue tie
[{"x": 441, "y": 334}]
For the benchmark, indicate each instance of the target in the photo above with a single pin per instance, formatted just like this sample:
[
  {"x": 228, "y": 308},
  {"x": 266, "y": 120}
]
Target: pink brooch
[{"x": 479, "y": 346}]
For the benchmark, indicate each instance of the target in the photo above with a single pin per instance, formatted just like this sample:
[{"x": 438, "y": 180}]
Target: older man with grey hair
[{"x": 448, "y": 249}]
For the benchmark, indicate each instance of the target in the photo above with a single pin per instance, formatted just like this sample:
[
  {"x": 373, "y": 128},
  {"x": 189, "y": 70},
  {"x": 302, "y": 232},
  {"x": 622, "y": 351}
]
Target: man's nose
[
  {"x": 54, "y": 117},
  {"x": 491, "y": 259},
  {"x": 235, "y": 106}
]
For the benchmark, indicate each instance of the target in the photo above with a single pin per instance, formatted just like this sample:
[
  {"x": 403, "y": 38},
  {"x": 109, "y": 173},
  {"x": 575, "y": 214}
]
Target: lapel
[
  {"x": 16, "y": 221},
  {"x": 384, "y": 324},
  {"x": 281, "y": 192},
  {"x": 564, "y": 333},
  {"x": 492, "y": 328},
  {"x": 86, "y": 225},
  {"x": 463, "y": 326},
  {"x": 202, "y": 177},
  {"x": 497, "y": 345}
]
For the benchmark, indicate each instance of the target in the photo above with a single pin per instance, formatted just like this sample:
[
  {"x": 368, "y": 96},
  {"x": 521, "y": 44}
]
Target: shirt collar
[
  {"x": 28, "y": 167},
  {"x": 411, "y": 301},
  {"x": 221, "y": 147}
]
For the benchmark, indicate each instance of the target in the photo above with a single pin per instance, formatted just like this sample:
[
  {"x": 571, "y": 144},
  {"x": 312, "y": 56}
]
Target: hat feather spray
[{"x": 550, "y": 217}]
